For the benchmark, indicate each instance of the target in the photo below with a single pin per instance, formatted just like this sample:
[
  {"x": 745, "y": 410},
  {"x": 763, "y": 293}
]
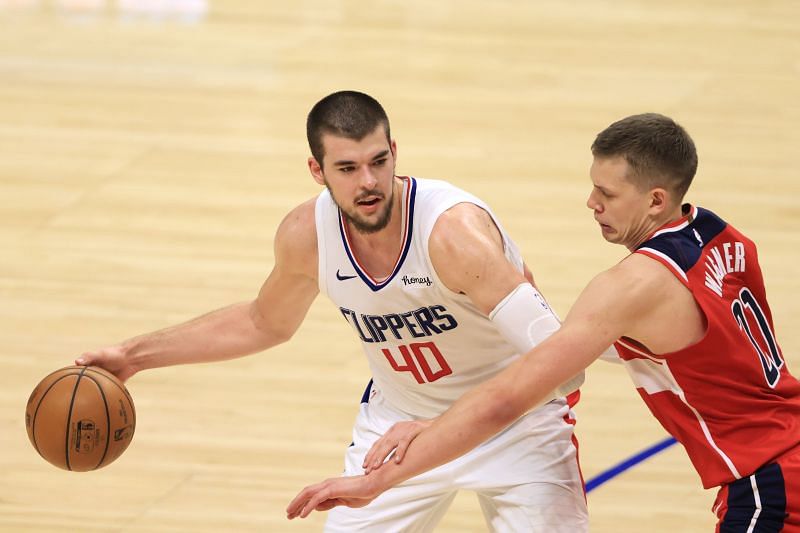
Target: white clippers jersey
[{"x": 426, "y": 345}]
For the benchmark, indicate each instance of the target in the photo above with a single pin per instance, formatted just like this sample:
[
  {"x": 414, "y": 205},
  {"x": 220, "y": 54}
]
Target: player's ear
[
  {"x": 658, "y": 200},
  {"x": 316, "y": 170},
  {"x": 393, "y": 148}
]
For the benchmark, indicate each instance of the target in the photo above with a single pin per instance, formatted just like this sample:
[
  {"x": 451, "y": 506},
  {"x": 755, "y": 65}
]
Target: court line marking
[{"x": 628, "y": 463}]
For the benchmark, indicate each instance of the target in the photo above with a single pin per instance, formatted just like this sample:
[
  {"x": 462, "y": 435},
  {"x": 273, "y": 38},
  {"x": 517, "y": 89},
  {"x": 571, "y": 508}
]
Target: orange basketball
[{"x": 80, "y": 418}]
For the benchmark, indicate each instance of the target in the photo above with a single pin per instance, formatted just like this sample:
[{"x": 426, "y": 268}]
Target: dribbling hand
[{"x": 111, "y": 358}]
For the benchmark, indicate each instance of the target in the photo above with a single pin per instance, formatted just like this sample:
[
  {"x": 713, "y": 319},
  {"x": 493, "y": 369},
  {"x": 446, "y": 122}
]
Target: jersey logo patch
[
  {"x": 698, "y": 237},
  {"x": 341, "y": 277}
]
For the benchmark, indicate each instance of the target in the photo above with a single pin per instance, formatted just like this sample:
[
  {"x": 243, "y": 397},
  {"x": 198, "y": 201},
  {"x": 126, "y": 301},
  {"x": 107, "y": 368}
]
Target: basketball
[{"x": 80, "y": 418}]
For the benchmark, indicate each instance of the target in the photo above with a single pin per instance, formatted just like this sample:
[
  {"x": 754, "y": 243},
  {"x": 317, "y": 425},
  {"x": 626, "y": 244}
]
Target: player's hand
[
  {"x": 111, "y": 358},
  {"x": 355, "y": 491},
  {"x": 396, "y": 439}
]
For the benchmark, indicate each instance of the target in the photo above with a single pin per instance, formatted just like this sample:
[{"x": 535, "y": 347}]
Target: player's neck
[
  {"x": 652, "y": 225},
  {"x": 378, "y": 251}
]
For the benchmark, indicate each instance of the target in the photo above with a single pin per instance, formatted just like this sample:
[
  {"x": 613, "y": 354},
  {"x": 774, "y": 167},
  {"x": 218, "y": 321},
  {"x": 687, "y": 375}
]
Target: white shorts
[{"x": 526, "y": 478}]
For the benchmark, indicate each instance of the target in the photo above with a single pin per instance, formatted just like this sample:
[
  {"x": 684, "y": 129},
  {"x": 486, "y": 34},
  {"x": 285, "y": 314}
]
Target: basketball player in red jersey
[{"x": 688, "y": 314}]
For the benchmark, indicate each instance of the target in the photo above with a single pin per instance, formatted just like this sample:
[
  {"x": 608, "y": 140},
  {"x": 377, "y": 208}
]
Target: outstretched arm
[
  {"x": 240, "y": 329},
  {"x": 625, "y": 300},
  {"x": 610, "y": 304}
]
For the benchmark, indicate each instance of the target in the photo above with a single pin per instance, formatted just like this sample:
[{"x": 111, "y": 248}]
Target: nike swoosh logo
[{"x": 342, "y": 278}]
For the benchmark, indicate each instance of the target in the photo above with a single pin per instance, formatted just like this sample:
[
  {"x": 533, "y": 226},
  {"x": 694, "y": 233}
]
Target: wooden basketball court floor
[{"x": 149, "y": 150}]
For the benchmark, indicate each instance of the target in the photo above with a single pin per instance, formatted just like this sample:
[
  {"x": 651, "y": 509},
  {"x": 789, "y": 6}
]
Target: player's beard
[{"x": 359, "y": 223}]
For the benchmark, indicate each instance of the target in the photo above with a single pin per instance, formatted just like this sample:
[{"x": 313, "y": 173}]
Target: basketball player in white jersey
[{"x": 441, "y": 301}]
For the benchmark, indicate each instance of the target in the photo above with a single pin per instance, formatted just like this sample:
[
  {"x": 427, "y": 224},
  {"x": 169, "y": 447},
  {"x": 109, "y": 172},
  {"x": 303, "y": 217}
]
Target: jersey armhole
[
  {"x": 510, "y": 250},
  {"x": 667, "y": 261},
  {"x": 676, "y": 270},
  {"x": 319, "y": 213}
]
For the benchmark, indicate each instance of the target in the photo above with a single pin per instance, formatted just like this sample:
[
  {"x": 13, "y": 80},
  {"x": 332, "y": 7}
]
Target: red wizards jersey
[{"x": 729, "y": 398}]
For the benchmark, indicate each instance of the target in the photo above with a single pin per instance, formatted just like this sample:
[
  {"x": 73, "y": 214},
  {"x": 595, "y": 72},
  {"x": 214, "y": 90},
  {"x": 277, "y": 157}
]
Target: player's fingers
[
  {"x": 370, "y": 457},
  {"x": 380, "y": 456},
  {"x": 296, "y": 511},
  {"x": 373, "y": 466},
  {"x": 371, "y": 461},
  {"x": 379, "y": 451},
  {"x": 371, "y": 453},
  {"x": 297, "y": 504},
  {"x": 402, "y": 446},
  {"x": 292, "y": 508},
  {"x": 403, "y": 443},
  {"x": 85, "y": 359},
  {"x": 327, "y": 505},
  {"x": 399, "y": 438},
  {"x": 315, "y": 500}
]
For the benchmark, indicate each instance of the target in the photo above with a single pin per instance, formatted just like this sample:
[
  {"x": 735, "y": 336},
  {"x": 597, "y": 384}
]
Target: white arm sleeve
[{"x": 525, "y": 320}]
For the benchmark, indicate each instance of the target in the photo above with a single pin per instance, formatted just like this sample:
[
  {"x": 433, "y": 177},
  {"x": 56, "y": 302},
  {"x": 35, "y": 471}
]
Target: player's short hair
[
  {"x": 349, "y": 114},
  {"x": 658, "y": 150}
]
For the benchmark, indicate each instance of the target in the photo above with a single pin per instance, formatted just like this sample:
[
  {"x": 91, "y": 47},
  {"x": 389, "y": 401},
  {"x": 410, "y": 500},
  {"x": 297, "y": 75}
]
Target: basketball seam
[
  {"x": 124, "y": 391},
  {"x": 69, "y": 417},
  {"x": 108, "y": 420},
  {"x": 36, "y": 411}
]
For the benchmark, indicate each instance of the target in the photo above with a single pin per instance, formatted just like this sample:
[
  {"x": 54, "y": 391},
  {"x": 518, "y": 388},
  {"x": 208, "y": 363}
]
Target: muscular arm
[
  {"x": 466, "y": 249},
  {"x": 468, "y": 252},
  {"x": 240, "y": 329},
  {"x": 613, "y": 304}
]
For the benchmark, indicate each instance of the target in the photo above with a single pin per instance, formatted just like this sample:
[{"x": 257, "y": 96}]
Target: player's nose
[
  {"x": 368, "y": 179},
  {"x": 592, "y": 203}
]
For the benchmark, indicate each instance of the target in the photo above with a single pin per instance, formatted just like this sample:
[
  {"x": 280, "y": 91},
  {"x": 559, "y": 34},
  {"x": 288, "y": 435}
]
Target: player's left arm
[{"x": 468, "y": 253}]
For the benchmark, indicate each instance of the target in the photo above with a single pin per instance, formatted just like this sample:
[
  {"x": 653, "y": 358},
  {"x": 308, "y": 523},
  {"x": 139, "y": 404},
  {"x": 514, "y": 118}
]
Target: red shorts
[{"x": 766, "y": 502}]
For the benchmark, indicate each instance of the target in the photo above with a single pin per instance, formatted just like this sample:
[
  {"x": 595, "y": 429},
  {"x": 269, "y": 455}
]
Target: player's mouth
[
  {"x": 369, "y": 203},
  {"x": 605, "y": 228}
]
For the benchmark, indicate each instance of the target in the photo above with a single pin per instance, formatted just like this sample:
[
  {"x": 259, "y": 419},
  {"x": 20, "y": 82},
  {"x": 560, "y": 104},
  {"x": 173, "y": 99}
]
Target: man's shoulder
[
  {"x": 640, "y": 278},
  {"x": 433, "y": 190},
  {"x": 452, "y": 215},
  {"x": 297, "y": 231},
  {"x": 637, "y": 267},
  {"x": 301, "y": 218},
  {"x": 626, "y": 295},
  {"x": 642, "y": 282},
  {"x": 461, "y": 220}
]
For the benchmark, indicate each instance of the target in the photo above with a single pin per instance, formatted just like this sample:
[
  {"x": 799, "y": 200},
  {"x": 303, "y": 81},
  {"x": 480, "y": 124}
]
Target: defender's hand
[{"x": 396, "y": 439}]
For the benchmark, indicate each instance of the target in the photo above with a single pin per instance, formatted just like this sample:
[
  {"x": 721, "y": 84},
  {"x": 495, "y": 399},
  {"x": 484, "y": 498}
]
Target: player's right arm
[
  {"x": 240, "y": 329},
  {"x": 630, "y": 299},
  {"x": 616, "y": 303}
]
